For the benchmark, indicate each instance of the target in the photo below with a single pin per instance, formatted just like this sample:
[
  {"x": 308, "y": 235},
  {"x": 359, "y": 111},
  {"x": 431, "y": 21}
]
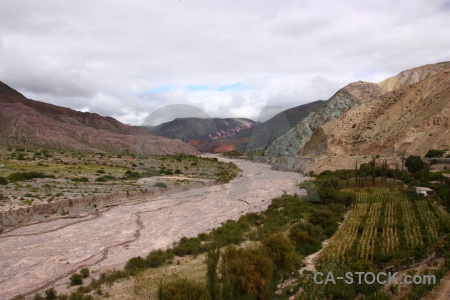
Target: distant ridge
[{"x": 29, "y": 123}]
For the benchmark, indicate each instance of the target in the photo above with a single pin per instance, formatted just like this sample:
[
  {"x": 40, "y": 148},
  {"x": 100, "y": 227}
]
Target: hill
[
  {"x": 29, "y": 123},
  {"x": 406, "y": 113},
  {"x": 410, "y": 119},
  {"x": 202, "y": 130}
]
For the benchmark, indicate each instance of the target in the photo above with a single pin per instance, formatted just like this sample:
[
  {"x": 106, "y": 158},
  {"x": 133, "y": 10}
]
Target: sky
[{"x": 142, "y": 61}]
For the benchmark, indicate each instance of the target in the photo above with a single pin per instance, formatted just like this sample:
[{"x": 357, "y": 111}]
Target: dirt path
[{"x": 38, "y": 256}]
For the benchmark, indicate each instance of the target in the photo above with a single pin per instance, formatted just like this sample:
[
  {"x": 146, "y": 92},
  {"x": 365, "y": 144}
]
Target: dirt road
[{"x": 35, "y": 257}]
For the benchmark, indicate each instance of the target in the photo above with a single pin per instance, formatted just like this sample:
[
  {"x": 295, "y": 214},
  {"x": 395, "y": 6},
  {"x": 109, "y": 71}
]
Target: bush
[
  {"x": 136, "y": 264},
  {"x": 84, "y": 272},
  {"x": 76, "y": 279},
  {"x": 156, "y": 258},
  {"x": 22, "y": 176},
  {"x": 435, "y": 153},
  {"x": 105, "y": 178},
  {"x": 184, "y": 289},
  {"x": 3, "y": 181},
  {"x": 50, "y": 294},
  {"x": 80, "y": 179},
  {"x": 132, "y": 175},
  {"x": 161, "y": 185}
]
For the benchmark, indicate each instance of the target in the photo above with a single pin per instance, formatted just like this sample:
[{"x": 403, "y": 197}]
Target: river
[{"x": 35, "y": 257}]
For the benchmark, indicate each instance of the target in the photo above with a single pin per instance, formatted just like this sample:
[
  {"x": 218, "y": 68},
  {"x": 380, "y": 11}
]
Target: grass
[{"x": 78, "y": 174}]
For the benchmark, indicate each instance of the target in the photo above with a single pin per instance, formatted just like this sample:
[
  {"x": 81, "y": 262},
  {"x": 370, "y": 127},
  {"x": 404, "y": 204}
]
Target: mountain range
[
  {"x": 29, "y": 123},
  {"x": 401, "y": 115}
]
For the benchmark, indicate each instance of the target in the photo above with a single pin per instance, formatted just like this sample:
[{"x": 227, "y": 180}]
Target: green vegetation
[
  {"x": 160, "y": 184},
  {"x": 435, "y": 153},
  {"x": 414, "y": 164},
  {"x": 3, "y": 181},
  {"x": 76, "y": 279},
  {"x": 80, "y": 174},
  {"x": 23, "y": 176},
  {"x": 80, "y": 179}
]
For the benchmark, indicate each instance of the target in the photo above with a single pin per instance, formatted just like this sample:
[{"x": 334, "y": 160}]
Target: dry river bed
[{"x": 36, "y": 257}]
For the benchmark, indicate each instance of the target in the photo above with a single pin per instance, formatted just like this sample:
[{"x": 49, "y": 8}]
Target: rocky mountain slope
[
  {"x": 284, "y": 151},
  {"x": 264, "y": 134},
  {"x": 366, "y": 118},
  {"x": 410, "y": 119},
  {"x": 29, "y": 123}
]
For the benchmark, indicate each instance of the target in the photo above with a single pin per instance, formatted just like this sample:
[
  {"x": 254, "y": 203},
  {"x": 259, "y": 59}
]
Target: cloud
[{"x": 228, "y": 58}]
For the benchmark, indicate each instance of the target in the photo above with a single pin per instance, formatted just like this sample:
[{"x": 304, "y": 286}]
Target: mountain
[
  {"x": 404, "y": 114},
  {"x": 283, "y": 152},
  {"x": 264, "y": 134},
  {"x": 201, "y": 130},
  {"x": 413, "y": 117},
  {"x": 29, "y": 123},
  {"x": 224, "y": 135}
]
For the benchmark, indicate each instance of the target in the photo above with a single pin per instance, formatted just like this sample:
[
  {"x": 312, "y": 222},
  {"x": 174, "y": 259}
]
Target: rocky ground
[{"x": 38, "y": 256}]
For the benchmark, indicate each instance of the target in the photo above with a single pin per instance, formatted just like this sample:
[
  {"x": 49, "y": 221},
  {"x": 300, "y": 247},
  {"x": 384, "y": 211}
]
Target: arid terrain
[{"x": 35, "y": 257}]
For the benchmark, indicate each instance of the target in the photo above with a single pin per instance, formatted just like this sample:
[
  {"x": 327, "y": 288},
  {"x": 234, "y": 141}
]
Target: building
[{"x": 424, "y": 191}]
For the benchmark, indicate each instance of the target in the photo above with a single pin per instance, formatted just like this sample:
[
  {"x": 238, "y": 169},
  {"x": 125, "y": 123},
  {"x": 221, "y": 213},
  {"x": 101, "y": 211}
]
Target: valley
[{"x": 38, "y": 256}]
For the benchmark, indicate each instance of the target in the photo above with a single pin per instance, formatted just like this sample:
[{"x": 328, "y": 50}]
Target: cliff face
[
  {"x": 283, "y": 153},
  {"x": 408, "y": 120},
  {"x": 29, "y": 123}
]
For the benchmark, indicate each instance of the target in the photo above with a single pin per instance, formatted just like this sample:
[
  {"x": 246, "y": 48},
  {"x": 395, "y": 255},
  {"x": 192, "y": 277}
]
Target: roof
[{"x": 424, "y": 188}]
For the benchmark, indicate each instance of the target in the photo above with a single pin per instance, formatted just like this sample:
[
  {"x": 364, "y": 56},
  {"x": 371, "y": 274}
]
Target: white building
[{"x": 424, "y": 191}]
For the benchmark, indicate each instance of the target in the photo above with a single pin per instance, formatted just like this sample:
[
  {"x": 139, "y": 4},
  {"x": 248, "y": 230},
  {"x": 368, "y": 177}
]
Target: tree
[
  {"x": 212, "y": 281},
  {"x": 246, "y": 273},
  {"x": 282, "y": 253},
  {"x": 414, "y": 164}
]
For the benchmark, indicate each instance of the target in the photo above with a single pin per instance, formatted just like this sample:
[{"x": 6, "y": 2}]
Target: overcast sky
[{"x": 228, "y": 58}]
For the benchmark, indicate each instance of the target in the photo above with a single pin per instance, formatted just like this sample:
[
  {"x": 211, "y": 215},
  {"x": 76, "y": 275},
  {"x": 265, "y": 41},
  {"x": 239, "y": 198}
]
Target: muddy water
[{"x": 35, "y": 257}]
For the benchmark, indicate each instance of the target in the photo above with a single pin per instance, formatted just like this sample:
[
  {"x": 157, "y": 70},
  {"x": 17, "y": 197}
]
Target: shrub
[
  {"x": 18, "y": 176},
  {"x": 76, "y": 279},
  {"x": 157, "y": 258},
  {"x": 50, "y": 294},
  {"x": 101, "y": 171},
  {"x": 132, "y": 175},
  {"x": 161, "y": 185},
  {"x": 184, "y": 289},
  {"x": 435, "y": 153},
  {"x": 3, "y": 181},
  {"x": 136, "y": 264},
  {"x": 80, "y": 179},
  {"x": 105, "y": 178},
  {"x": 84, "y": 272}
]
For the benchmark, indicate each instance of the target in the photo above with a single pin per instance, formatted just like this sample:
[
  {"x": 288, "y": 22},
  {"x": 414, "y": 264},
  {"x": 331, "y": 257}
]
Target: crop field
[{"x": 386, "y": 226}]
